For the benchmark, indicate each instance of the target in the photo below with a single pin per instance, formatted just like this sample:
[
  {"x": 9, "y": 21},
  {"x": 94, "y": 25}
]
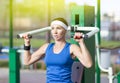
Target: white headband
[{"x": 59, "y": 23}]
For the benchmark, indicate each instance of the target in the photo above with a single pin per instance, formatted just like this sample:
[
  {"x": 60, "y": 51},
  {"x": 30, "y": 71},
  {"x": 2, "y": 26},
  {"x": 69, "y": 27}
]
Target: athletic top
[{"x": 58, "y": 65}]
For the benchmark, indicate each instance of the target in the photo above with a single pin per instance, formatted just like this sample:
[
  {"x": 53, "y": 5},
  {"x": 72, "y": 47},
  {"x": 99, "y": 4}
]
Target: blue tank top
[{"x": 58, "y": 65}]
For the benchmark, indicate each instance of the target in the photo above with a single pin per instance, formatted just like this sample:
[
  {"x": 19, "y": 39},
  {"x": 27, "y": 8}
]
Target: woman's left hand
[{"x": 78, "y": 37}]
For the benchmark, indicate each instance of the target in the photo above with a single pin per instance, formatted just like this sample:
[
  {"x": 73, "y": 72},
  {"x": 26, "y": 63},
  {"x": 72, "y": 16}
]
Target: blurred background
[{"x": 34, "y": 14}]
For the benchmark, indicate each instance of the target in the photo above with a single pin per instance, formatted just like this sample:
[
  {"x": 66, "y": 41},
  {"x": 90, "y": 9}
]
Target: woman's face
[{"x": 58, "y": 32}]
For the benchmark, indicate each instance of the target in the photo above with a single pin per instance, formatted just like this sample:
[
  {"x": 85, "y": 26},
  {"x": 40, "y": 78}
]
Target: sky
[{"x": 107, "y": 6}]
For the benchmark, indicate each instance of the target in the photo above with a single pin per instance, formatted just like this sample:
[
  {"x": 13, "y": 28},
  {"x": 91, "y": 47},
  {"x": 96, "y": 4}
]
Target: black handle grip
[
  {"x": 18, "y": 36},
  {"x": 29, "y": 36}
]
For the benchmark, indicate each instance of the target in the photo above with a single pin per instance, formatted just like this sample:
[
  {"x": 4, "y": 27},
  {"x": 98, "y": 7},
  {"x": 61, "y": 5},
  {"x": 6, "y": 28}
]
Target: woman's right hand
[{"x": 26, "y": 40}]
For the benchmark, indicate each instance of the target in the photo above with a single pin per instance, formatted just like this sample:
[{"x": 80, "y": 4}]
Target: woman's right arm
[{"x": 32, "y": 58}]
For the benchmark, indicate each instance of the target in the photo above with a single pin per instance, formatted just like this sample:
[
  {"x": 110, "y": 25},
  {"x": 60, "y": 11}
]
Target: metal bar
[
  {"x": 98, "y": 54},
  {"x": 84, "y": 28},
  {"x": 34, "y": 32},
  {"x": 93, "y": 30},
  {"x": 109, "y": 70}
]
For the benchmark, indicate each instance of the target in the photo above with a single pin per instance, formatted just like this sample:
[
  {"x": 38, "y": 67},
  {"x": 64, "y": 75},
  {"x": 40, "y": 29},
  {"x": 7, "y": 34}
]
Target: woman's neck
[{"x": 59, "y": 43}]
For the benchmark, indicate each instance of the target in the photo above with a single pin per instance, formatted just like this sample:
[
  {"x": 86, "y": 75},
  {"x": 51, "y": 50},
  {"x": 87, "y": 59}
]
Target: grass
[
  {"x": 19, "y": 42},
  {"x": 4, "y": 63},
  {"x": 110, "y": 44}
]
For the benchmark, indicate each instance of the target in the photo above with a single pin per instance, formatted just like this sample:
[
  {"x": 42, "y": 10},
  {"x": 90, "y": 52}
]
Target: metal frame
[{"x": 93, "y": 31}]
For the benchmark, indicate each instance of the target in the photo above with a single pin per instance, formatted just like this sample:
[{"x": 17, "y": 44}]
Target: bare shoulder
[
  {"x": 44, "y": 46},
  {"x": 73, "y": 46},
  {"x": 74, "y": 49}
]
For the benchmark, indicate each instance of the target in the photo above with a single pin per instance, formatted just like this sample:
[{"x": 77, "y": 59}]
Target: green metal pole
[
  {"x": 118, "y": 77},
  {"x": 48, "y": 38},
  {"x": 98, "y": 19},
  {"x": 14, "y": 65},
  {"x": 11, "y": 25},
  {"x": 99, "y": 41},
  {"x": 14, "y": 75}
]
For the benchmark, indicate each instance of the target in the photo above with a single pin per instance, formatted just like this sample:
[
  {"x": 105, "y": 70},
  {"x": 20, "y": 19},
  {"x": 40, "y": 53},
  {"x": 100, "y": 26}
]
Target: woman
[{"x": 59, "y": 56}]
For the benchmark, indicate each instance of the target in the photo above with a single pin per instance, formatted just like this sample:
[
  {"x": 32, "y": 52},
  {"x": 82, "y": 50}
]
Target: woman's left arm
[{"x": 81, "y": 52}]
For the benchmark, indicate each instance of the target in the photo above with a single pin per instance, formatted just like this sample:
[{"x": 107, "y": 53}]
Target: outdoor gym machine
[{"x": 77, "y": 74}]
